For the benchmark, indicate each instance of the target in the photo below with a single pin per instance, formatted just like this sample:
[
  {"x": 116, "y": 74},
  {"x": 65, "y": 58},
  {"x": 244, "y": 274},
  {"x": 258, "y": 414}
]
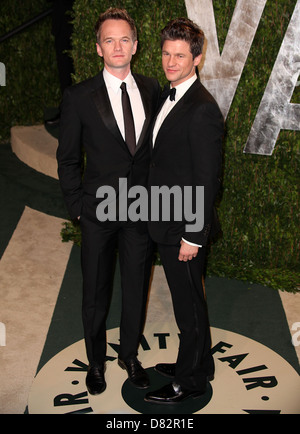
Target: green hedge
[
  {"x": 31, "y": 71},
  {"x": 259, "y": 207}
]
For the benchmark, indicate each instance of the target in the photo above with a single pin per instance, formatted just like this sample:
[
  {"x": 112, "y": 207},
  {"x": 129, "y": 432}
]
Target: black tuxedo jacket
[
  {"x": 87, "y": 120},
  {"x": 188, "y": 152}
]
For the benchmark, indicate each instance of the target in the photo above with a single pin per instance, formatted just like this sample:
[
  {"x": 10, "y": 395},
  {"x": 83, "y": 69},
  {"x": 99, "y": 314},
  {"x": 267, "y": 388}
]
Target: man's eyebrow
[
  {"x": 111, "y": 37},
  {"x": 175, "y": 54}
]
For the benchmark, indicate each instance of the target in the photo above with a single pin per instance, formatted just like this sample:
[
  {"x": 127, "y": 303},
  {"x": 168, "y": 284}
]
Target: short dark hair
[
  {"x": 184, "y": 29},
  {"x": 115, "y": 14}
]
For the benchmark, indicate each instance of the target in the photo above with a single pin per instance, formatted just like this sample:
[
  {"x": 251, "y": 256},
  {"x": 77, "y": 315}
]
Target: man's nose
[
  {"x": 172, "y": 61},
  {"x": 117, "y": 46}
]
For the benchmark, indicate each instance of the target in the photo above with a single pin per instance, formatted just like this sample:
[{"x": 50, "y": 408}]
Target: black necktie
[{"x": 128, "y": 120}]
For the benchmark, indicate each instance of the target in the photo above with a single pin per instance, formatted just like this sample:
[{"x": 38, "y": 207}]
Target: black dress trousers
[
  {"x": 194, "y": 361},
  {"x": 99, "y": 243}
]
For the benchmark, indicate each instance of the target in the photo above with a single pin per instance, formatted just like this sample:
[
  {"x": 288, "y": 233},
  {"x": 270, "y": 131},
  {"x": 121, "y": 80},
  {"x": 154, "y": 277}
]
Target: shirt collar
[
  {"x": 183, "y": 87},
  {"x": 115, "y": 83}
]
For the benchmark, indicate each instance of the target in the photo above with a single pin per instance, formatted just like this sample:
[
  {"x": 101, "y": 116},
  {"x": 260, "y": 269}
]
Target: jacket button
[{"x": 152, "y": 165}]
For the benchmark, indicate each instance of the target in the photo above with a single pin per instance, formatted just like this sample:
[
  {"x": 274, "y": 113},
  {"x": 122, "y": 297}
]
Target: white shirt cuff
[{"x": 191, "y": 244}]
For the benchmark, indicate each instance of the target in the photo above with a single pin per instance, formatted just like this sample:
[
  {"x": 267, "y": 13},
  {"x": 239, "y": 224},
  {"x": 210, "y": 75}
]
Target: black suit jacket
[
  {"x": 188, "y": 152},
  {"x": 87, "y": 120}
]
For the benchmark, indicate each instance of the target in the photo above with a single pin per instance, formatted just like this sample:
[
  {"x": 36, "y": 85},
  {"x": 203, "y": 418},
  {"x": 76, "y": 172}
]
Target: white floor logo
[
  {"x": 296, "y": 336},
  {"x": 2, "y": 335},
  {"x": 250, "y": 378}
]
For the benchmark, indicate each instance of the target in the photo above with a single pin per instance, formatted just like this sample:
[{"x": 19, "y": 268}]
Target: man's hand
[{"x": 187, "y": 252}]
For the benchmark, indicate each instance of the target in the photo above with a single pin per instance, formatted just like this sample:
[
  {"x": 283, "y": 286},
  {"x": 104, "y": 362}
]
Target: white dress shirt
[
  {"x": 115, "y": 95},
  {"x": 169, "y": 105},
  {"x": 181, "y": 89}
]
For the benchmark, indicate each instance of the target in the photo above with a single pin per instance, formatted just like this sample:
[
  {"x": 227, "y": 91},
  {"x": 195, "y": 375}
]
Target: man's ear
[
  {"x": 197, "y": 60},
  {"x": 134, "y": 50},
  {"x": 99, "y": 51}
]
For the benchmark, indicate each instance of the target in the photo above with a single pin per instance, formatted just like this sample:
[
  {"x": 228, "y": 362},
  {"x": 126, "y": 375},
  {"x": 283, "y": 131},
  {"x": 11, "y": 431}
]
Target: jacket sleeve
[
  {"x": 205, "y": 141},
  {"x": 69, "y": 154}
]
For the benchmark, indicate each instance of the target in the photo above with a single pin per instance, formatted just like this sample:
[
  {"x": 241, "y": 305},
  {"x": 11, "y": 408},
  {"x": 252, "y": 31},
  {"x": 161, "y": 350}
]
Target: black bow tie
[
  {"x": 167, "y": 92},
  {"x": 172, "y": 94}
]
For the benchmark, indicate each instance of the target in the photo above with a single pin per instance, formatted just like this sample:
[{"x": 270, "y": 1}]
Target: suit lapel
[
  {"x": 102, "y": 102},
  {"x": 146, "y": 99},
  {"x": 164, "y": 95},
  {"x": 176, "y": 114}
]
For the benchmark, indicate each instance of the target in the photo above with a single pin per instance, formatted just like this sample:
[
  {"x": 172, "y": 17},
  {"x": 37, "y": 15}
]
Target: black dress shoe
[
  {"x": 136, "y": 374},
  {"x": 95, "y": 381},
  {"x": 172, "y": 394},
  {"x": 168, "y": 370}
]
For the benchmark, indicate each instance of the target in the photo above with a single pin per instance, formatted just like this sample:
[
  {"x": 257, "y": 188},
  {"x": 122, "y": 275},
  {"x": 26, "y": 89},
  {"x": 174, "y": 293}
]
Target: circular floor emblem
[{"x": 249, "y": 378}]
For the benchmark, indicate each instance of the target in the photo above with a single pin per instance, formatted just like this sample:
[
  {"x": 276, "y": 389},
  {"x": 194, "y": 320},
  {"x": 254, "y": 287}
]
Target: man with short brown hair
[{"x": 187, "y": 151}]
